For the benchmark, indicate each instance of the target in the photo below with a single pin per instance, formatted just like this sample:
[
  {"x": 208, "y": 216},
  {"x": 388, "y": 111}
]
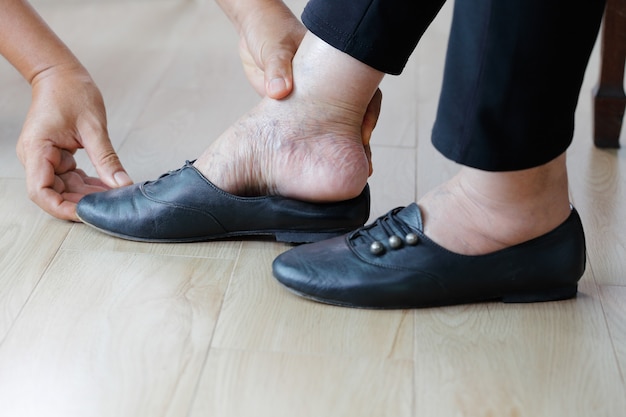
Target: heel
[{"x": 554, "y": 294}]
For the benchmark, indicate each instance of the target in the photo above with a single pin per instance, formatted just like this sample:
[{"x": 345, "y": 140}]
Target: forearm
[{"x": 28, "y": 43}]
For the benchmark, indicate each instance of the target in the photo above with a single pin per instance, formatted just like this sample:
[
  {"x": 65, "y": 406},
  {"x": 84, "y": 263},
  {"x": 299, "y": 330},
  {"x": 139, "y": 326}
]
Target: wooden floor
[{"x": 95, "y": 326}]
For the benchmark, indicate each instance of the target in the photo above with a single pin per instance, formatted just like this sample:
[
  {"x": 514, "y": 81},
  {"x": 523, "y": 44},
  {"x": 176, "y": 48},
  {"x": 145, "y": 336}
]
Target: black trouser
[{"x": 513, "y": 70}]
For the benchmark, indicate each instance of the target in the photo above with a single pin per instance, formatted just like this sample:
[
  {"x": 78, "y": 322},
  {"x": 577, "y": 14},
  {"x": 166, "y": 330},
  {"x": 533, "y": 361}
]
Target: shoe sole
[
  {"x": 539, "y": 296},
  {"x": 283, "y": 236}
]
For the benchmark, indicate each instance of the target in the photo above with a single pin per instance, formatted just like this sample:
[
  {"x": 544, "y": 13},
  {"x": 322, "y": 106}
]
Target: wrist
[{"x": 70, "y": 69}]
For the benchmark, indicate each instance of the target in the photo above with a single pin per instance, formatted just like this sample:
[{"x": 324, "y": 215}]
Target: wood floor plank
[
  {"x": 599, "y": 188},
  {"x": 83, "y": 237},
  {"x": 543, "y": 359},
  {"x": 106, "y": 327},
  {"x": 432, "y": 168},
  {"x": 112, "y": 334},
  {"x": 259, "y": 314},
  {"x": 127, "y": 59},
  {"x": 29, "y": 239},
  {"x": 393, "y": 182},
  {"x": 614, "y": 303},
  {"x": 396, "y": 125},
  {"x": 264, "y": 384},
  {"x": 200, "y": 94},
  {"x": 14, "y": 103},
  {"x": 178, "y": 125}
]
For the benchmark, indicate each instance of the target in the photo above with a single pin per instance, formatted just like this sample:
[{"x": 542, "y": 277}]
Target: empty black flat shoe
[
  {"x": 183, "y": 206},
  {"x": 392, "y": 264}
]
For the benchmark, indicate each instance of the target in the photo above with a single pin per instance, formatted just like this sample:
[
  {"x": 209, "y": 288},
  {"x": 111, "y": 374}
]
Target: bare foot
[
  {"x": 295, "y": 150},
  {"x": 309, "y": 146},
  {"x": 479, "y": 212}
]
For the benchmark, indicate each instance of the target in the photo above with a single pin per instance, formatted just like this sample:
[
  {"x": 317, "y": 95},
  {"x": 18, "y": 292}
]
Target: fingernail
[
  {"x": 277, "y": 85},
  {"x": 121, "y": 178}
]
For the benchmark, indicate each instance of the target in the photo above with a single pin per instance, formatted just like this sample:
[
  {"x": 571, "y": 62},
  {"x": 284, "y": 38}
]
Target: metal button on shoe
[
  {"x": 377, "y": 248},
  {"x": 412, "y": 239},
  {"x": 395, "y": 242}
]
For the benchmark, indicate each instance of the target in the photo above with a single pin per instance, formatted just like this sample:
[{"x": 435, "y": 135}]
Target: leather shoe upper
[
  {"x": 183, "y": 206},
  {"x": 393, "y": 264}
]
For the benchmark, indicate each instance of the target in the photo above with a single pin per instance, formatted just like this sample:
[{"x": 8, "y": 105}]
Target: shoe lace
[
  {"x": 388, "y": 231},
  {"x": 168, "y": 173}
]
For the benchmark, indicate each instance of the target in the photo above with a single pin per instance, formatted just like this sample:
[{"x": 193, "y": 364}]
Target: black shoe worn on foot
[
  {"x": 391, "y": 263},
  {"x": 184, "y": 206}
]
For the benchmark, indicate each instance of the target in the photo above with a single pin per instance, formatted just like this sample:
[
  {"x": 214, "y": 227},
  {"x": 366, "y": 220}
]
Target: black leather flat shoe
[
  {"x": 183, "y": 206},
  {"x": 392, "y": 264}
]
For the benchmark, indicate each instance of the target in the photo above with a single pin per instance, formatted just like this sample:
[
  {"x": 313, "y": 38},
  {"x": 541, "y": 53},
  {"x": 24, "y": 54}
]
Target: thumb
[
  {"x": 369, "y": 123},
  {"x": 278, "y": 73},
  {"x": 371, "y": 116},
  {"x": 107, "y": 163}
]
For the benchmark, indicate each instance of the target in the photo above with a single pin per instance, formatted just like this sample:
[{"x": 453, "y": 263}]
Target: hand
[
  {"x": 369, "y": 123},
  {"x": 269, "y": 40},
  {"x": 66, "y": 114}
]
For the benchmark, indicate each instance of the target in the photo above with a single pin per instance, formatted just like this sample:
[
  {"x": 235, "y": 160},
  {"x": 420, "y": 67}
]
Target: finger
[
  {"x": 54, "y": 204},
  {"x": 59, "y": 185},
  {"x": 67, "y": 163},
  {"x": 371, "y": 116},
  {"x": 91, "y": 180},
  {"x": 43, "y": 187},
  {"x": 368, "y": 153},
  {"x": 254, "y": 74},
  {"x": 102, "y": 155},
  {"x": 278, "y": 73},
  {"x": 75, "y": 183},
  {"x": 60, "y": 199},
  {"x": 72, "y": 197},
  {"x": 96, "y": 182}
]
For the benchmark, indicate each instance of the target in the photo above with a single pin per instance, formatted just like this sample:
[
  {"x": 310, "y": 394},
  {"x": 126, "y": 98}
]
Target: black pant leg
[
  {"x": 379, "y": 33},
  {"x": 514, "y": 70}
]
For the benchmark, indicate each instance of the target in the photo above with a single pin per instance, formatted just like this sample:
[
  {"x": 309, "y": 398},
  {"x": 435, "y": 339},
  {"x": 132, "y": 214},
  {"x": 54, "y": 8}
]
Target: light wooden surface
[{"x": 96, "y": 326}]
